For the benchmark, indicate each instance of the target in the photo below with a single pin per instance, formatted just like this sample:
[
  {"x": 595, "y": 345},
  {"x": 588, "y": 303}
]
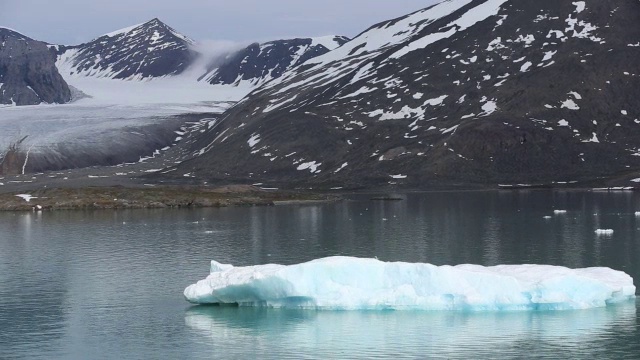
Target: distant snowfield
[
  {"x": 168, "y": 91},
  {"x": 113, "y": 105}
]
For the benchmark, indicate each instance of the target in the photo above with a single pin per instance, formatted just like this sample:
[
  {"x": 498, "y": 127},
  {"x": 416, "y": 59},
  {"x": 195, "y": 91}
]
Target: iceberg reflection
[{"x": 409, "y": 333}]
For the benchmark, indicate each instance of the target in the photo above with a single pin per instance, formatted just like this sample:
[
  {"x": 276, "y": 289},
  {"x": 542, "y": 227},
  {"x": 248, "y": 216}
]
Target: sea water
[{"x": 109, "y": 284}]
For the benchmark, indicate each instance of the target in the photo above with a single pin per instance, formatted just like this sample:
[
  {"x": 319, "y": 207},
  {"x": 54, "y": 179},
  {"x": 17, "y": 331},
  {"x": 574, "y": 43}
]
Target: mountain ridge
[
  {"x": 463, "y": 91},
  {"x": 261, "y": 62}
]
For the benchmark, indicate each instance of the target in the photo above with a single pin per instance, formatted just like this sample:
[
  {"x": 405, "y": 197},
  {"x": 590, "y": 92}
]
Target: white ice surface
[
  {"x": 604, "y": 231},
  {"x": 347, "y": 283},
  {"x": 114, "y": 104}
]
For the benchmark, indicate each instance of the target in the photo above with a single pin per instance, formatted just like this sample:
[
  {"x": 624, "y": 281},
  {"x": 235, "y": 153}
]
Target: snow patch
[
  {"x": 436, "y": 101},
  {"x": 489, "y": 108},
  {"x": 580, "y": 6},
  {"x": 575, "y": 95},
  {"x": 569, "y": 104},
  {"x": 311, "y": 166},
  {"x": 26, "y": 197},
  {"x": 549, "y": 55},
  {"x": 341, "y": 167},
  {"x": 594, "y": 139},
  {"x": 253, "y": 140},
  {"x": 525, "y": 67}
]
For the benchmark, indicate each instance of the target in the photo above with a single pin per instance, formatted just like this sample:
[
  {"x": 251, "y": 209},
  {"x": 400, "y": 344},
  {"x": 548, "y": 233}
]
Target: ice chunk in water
[{"x": 347, "y": 283}]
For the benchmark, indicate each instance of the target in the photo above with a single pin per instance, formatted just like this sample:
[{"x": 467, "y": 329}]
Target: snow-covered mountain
[
  {"x": 486, "y": 91},
  {"x": 259, "y": 63},
  {"x": 148, "y": 50},
  {"x": 28, "y": 74},
  {"x": 154, "y": 49},
  {"x": 134, "y": 87}
]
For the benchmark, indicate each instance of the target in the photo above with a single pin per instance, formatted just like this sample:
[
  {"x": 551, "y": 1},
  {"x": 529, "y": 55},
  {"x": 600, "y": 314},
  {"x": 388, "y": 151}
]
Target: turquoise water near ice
[{"x": 108, "y": 284}]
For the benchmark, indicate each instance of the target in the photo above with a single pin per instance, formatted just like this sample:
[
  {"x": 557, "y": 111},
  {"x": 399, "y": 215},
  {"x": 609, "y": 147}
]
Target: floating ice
[
  {"x": 604, "y": 231},
  {"x": 559, "y": 211},
  {"x": 346, "y": 283}
]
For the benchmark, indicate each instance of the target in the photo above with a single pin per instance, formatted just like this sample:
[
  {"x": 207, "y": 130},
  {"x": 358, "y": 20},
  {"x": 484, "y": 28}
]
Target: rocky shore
[{"x": 118, "y": 197}]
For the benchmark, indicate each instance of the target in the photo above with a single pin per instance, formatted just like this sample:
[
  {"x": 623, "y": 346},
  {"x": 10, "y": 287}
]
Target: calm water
[{"x": 108, "y": 284}]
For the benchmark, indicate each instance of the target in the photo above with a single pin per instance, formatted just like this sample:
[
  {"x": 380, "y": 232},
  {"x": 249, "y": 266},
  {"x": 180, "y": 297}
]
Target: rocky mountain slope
[
  {"x": 465, "y": 91},
  {"x": 28, "y": 74},
  {"x": 152, "y": 49},
  {"x": 259, "y": 63}
]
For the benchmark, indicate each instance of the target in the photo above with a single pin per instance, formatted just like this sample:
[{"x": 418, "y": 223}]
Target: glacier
[{"x": 348, "y": 283}]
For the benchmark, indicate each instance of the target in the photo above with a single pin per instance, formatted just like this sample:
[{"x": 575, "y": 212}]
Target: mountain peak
[
  {"x": 155, "y": 22},
  {"x": 150, "y": 49},
  {"x": 5, "y": 31}
]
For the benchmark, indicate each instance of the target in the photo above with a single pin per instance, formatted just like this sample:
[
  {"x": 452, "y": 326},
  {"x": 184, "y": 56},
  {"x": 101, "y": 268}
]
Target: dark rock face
[
  {"x": 152, "y": 49},
  {"x": 470, "y": 92},
  {"x": 28, "y": 75},
  {"x": 12, "y": 160},
  {"x": 259, "y": 63}
]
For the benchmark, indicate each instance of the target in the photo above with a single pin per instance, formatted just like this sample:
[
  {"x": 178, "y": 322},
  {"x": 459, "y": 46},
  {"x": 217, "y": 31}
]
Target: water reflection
[
  {"x": 110, "y": 282},
  {"x": 33, "y": 285},
  {"x": 327, "y": 334}
]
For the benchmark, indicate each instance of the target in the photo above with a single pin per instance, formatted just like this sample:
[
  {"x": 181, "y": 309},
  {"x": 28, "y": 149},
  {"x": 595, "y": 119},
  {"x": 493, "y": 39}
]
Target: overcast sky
[{"x": 75, "y": 21}]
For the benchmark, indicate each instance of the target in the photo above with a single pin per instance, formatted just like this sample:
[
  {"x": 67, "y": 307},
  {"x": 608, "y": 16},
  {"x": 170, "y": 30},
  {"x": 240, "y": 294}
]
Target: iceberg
[{"x": 347, "y": 283}]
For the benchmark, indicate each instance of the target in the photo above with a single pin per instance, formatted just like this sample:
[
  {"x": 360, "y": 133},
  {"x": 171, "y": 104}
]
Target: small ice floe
[
  {"x": 26, "y": 197},
  {"x": 559, "y": 212},
  {"x": 637, "y": 213},
  {"x": 547, "y": 217},
  {"x": 604, "y": 231}
]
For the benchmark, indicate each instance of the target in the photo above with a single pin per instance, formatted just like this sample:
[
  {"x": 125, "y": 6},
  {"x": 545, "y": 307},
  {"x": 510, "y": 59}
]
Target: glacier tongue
[{"x": 345, "y": 283}]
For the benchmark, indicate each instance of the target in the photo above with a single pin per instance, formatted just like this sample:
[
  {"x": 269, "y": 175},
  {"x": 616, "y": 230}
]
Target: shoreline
[
  {"x": 118, "y": 197},
  {"x": 159, "y": 197}
]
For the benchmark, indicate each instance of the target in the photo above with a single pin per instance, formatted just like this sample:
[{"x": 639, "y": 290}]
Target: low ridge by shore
[{"x": 119, "y": 197}]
